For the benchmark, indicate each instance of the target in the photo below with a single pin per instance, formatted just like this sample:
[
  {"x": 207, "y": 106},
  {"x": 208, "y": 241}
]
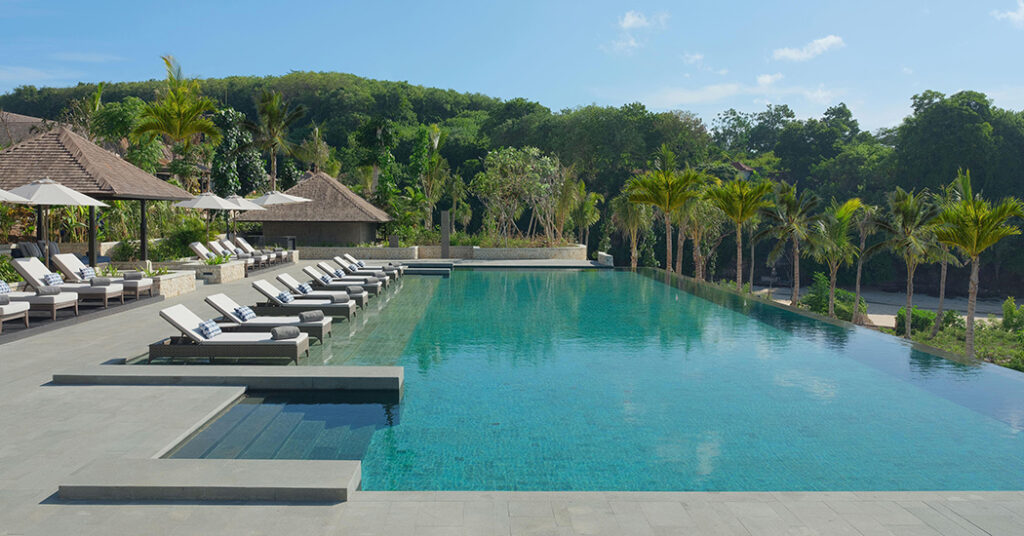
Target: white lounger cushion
[
  {"x": 13, "y": 308},
  {"x": 56, "y": 299}
]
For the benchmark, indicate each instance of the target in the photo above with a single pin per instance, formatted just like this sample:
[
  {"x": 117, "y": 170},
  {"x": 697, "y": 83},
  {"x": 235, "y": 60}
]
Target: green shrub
[
  {"x": 952, "y": 319},
  {"x": 125, "y": 251},
  {"x": 175, "y": 244},
  {"x": 920, "y": 320},
  {"x": 219, "y": 259},
  {"x": 1013, "y": 316},
  {"x": 817, "y": 299},
  {"x": 7, "y": 272}
]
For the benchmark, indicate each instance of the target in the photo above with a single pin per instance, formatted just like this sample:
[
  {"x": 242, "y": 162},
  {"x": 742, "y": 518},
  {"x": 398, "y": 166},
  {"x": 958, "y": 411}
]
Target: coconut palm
[
  {"x": 789, "y": 220},
  {"x": 630, "y": 219},
  {"x": 831, "y": 243},
  {"x": 867, "y": 224},
  {"x": 740, "y": 200},
  {"x": 667, "y": 189},
  {"x": 973, "y": 225},
  {"x": 947, "y": 196},
  {"x": 909, "y": 223},
  {"x": 270, "y": 133}
]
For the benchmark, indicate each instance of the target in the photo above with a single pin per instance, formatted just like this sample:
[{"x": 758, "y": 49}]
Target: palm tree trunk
[
  {"x": 633, "y": 236},
  {"x": 908, "y": 316},
  {"x": 942, "y": 295},
  {"x": 972, "y": 299},
  {"x": 855, "y": 316},
  {"x": 752, "y": 244},
  {"x": 680, "y": 241},
  {"x": 698, "y": 262},
  {"x": 832, "y": 271},
  {"x": 795, "y": 297},
  {"x": 739, "y": 257},
  {"x": 668, "y": 243},
  {"x": 273, "y": 171}
]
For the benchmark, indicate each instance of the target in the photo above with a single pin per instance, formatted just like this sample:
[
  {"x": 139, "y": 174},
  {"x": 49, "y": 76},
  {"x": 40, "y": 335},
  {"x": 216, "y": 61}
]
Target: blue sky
[{"x": 703, "y": 56}]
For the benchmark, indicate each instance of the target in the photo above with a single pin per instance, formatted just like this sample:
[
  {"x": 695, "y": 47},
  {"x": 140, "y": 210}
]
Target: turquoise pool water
[{"x": 611, "y": 380}]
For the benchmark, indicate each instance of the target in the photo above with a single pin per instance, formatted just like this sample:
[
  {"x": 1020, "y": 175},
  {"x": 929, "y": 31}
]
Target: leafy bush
[
  {"x": 7, "y": 272},
  {"x": 920, "y": 320},
  {"x": 952, "y": 319},
  {"x": 156, "y": 271},
  {"x": 125, "y": 251},
  {"x": 817, "y": 299},
  {"x": 219, "y": 259},
  {"x": 175, "y": 244},
  {"x": 1013, "y": 316}
]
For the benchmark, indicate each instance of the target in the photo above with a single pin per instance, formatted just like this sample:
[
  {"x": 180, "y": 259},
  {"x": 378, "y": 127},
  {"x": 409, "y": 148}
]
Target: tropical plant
[
  {"x": 270, "y": 132},
  {"x": 706, "y": 228},
  {"x": 909, "y": 222},
  {"x": 237, "y": 167},
  {"x": 666, "y": 188},
  {"x": 821, "y": 292},
  {"x": 947, "y": 196},
  {"x": 740, "y": 200},
  {"x": 585, "y": 214},
  {"x": 631, "y": 219},
  {"x": 831, "y": 243},
  {"x": 377, "y": 138},
  {"x": 81, "y": 114},
  {"x": 973, "y": 225},
  {"x": 790, "y": 219},
  {"x": 867, "y": 225}
]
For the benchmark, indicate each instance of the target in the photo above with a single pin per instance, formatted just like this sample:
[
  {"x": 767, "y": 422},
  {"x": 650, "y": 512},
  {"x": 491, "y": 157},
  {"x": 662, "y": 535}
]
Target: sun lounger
[
  {"x": 340, "y": 275},
  {"x": 353, "y": 269},
  {"x": 284, "y": 255},
  {"x": 276, "y": 305},
  {"x": 400, "y": 268},
  {"x": 193, "y": 343},
  {"x": 72, "y": 268},
  {"x": 33, "y": 271},
  {"x": 304, "y": 291},
  {"x": 233, "y": 322},
  {"x": 224, "y": 245},
  {"x": 250, "y": 261},
  {"x": 201, "y": 252},
  {"x": 49, "y": 304},
  {"x": 13, "y": 310},
  {"x": 328, "y": 282}
]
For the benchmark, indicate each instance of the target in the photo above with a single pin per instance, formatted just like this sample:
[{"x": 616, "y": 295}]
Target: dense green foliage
[{"x": 816, "y": 299}]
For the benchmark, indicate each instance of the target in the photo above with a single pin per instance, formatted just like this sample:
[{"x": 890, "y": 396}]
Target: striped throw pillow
[
  {"x": 4, "y": 287},
  {"x": 244, "y": 313},
  {"x": 285, "y": 297},
  {"x": 326, "y": 279},
  {"x": 339, "y": 273},
  {"x": 361, "y": 264},
  {"x": 209, "y": 329},
  {"x": 304, "y": 288},
  {"x": 53, "y": 280},
  {"x": 87, "y": 273}
]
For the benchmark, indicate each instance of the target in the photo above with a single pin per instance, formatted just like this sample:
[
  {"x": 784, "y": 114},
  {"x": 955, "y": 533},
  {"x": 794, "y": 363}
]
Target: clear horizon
[{"x": 873, "y": 56}]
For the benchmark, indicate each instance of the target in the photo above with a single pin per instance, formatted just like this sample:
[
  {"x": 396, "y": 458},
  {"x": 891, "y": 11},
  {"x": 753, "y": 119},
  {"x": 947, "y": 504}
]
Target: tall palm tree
[
  {"x": 832, "y": 245},
  {"x": 630, "y": 219},
  {"x": 270, "y": 133},
  {"x": 667, "y": 189},
  {"x": 909, "y": 223},
  {"x": 867, "y": 225},
  {"x": 790, "y": 219},
  {"x": 973, "y": 225},
  {"x": 740, "y": 200},
  {"x": 947, "y": 196}
]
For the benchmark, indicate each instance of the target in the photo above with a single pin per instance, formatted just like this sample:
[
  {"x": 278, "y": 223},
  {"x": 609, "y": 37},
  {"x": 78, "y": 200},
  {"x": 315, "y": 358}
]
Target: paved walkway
[{"x": 47, "y": 432}]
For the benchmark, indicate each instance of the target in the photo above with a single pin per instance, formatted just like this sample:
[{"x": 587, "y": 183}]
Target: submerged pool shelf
[{"x": 618, "y": 380}]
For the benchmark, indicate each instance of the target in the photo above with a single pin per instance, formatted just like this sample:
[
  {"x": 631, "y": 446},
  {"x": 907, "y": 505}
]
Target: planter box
[
  {"x": 174, "y": 283},
  {"x": 218, "y": 273},
  {"x": 313, "y": 252},
  {"x": 575, "y": 253}
]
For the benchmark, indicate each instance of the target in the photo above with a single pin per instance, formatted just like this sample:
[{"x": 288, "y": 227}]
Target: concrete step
[
  {"x": 253, "y": 377},
  {"x": 443, "y": 272}
]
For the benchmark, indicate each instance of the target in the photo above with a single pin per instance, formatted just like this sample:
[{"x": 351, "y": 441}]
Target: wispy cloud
[
  {"x": 908, "y": 71},
  {"x": 768, "y": 79},
  {"x": 1016, "y": 18},
  {"x": 810, "y": 50},
  {"x": 634, "y": 20},
  {"x": 85, "y": 57},
  {"x": 692, "y": 58},
  {"x": 18, "y": 75},
  {"x": 765, "y": 88},
  {"x": 697, "y": 60},
  {"x": 625, "y": 44}
]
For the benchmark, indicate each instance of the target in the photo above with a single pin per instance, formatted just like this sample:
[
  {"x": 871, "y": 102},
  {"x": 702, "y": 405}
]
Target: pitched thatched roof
[
  {"x": 330, "y": 201},
  {"x": 81, "y": 165},
  {"x": 16, "y": 127}
]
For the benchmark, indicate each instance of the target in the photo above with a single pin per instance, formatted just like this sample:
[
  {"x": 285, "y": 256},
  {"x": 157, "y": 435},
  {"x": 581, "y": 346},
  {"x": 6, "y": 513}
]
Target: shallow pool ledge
[
  {"x": 319, "y": 481},
  {"x": 253, "y": 377}
]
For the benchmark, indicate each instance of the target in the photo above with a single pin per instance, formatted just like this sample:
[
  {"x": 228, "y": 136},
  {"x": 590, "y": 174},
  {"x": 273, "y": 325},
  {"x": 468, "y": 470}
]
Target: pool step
[
  {"x": 443, "y": 272},
  {"x": 316, "y": 481},
  {"x": 253, "y": 377}
]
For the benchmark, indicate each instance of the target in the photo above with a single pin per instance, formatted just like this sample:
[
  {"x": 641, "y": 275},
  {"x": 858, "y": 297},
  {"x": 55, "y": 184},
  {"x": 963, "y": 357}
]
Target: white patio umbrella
[
  {"x": 278, "y": 198},
  {"x": 8, "y": 197},
  {"x": 207, "y": 201},
  {"x": 47, "y": 193},
  {"x": 242, "y": 204}
]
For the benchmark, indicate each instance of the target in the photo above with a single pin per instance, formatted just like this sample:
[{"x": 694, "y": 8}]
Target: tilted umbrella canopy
[
  {"x": 278, "y": 198},
  {"x": 8, "y": 197},
  {"x": 243, "y": 203},
  {"x": 207, "y": 201},
  {"x": 46, "y": 192}
]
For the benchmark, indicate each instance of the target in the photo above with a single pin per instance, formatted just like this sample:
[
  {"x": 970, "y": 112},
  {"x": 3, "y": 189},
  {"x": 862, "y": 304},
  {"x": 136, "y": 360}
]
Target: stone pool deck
[{"x": 49, "y": 431}]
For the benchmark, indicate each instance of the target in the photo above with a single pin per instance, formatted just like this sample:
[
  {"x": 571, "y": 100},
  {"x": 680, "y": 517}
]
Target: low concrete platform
[
  {"x": 442, "y": 272},
  {"x": 253, "y": 377},
  {"x": 319, "y": 481}
]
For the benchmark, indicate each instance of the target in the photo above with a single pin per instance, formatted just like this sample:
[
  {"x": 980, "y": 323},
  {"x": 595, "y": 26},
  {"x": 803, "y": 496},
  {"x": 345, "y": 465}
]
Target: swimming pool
[{"x": 612, "y": 380}]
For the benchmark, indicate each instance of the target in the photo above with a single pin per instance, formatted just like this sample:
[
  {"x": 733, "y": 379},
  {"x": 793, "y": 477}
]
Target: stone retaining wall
[
  {"x": 575, "y": 253},
  {"x": 314, "y": 252},
  {"x": 174, "y": 283},
  {"x": 456, "y": 252}
]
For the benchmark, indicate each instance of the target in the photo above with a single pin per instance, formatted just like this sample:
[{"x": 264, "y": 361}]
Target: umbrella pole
[
  {"x": 143, "y": 232},
  {"x": 46, "y": 237},
  {"x": 92, "y": 236}
]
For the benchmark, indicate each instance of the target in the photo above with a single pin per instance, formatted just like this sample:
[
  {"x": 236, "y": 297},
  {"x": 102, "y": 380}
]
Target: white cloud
[
  {"x": 768, "y": 79},
  {"x": 634, "y": 20},
  {"x": 1016, "y": 18},
  {"x": 85, "y": 57},
  {"x": 626, "y": 44},
  {"x": 908, "y": 71},
  {"x": 722, "y": 72},
  {"x": 693, "y": 58},
  {"x": 810, "y": 50}
]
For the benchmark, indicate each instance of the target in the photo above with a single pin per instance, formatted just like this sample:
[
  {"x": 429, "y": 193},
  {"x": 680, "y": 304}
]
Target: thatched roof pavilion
[
  {"x": 79, "y": 164},
  {"x": 335, "y": 215}
]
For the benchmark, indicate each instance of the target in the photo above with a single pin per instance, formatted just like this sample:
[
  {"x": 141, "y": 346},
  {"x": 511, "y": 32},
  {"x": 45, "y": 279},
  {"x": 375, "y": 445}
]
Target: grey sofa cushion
[
  {"x": 311, "y": 316},
  {"x": 284, "y": 332},
  {"x": 48, "y": 290}
]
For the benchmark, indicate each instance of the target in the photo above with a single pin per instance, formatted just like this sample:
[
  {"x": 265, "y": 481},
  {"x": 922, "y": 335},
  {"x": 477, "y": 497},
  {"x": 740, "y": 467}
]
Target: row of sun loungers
[{"x": 240, "y": 249}]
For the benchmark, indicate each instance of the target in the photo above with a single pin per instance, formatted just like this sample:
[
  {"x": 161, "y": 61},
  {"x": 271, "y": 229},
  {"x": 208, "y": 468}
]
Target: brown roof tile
[{"x": 330, "y": 200}]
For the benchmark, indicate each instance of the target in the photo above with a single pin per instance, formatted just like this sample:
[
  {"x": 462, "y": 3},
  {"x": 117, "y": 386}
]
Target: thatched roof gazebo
[
  {"x": 335, "y": 215},
  {"x": 79, "y": 164}
]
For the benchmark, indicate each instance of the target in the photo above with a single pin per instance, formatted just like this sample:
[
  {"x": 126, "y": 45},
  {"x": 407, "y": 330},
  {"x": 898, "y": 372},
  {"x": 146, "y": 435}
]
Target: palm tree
[
  {"x": 270, "y": 133},
  {"x": 585, "y": 214},
  {"x": 867, "y": 225},
  {"x": 740, "y": 200},
  {"x": 973, "y": 225},
  {"x": 831, "y": 244},
  {"x": 790, "y": 219},
  {"x": 910, "y": 226},
  {"x": 666, "y": 188},
  {"x": 630, "y": 219},
  {"x": 949, "y": 195}
]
